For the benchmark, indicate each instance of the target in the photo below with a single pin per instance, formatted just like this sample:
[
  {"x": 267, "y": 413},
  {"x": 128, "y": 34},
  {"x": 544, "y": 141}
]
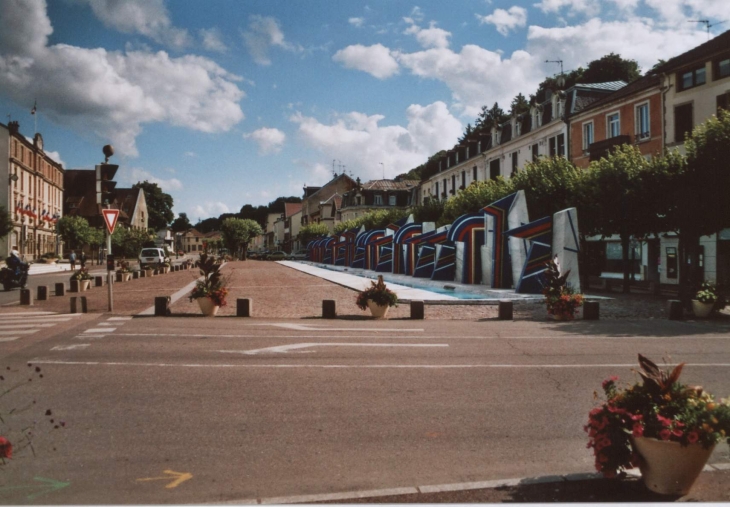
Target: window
[
  {"x": 467, "y": 153},
  {"x": 723, "y": 102},
  {"x": 587, "y": 135},
  {"x": 378, "y": 200},
  {"x": 514, "y": 162},
  {"x": 642, "y": 121},
  {"x": 722, "y": 68},
  {"x": 456, "y": 157},
  {"x": 535, "y": 153},
  {"x": 453, "y": 183},
  {"x": 444, "y": 192},
  {"x": 682, "y": 122},
  {"x": 613, "y": 125},
  {"x": 691, "y": 78},
  {"x": 479, "y": 147},
  {"x": 553, "y": 147},
  {"x": 463, "y": 179},
  {"x": 474, "y": 173},
  {"x": 448, "y": 161},
  {"x": 494, "y": 169},
  {"x": 437, "y": 190},
  {"x": 561, "y": 145},
  {"x": 391, "y": 200}
]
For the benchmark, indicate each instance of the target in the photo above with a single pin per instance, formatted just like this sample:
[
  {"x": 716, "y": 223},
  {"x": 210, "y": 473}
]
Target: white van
[{"x": 152, "y": 257}]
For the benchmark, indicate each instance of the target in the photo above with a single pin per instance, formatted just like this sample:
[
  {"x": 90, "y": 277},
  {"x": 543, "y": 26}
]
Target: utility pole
[{"x": 561, "y": 79}]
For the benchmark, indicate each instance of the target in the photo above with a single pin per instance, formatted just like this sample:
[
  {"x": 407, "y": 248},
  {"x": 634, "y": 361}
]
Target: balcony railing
[{"x": 600, "y": 149}]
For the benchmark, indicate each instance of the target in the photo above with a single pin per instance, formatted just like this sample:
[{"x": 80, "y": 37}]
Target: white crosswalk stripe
[{"x": 16, "y": 325}]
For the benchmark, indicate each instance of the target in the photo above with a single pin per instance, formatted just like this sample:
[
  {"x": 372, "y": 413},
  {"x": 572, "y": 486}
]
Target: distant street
[{"x": 193, "y": 410}]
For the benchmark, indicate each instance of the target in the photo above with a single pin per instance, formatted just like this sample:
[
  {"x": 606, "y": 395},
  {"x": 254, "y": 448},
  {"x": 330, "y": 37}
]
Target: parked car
[
  {"x": 299, "y": 255},
  {"x": 152, "y": 257},
  {"x": 277, "y": 256}
]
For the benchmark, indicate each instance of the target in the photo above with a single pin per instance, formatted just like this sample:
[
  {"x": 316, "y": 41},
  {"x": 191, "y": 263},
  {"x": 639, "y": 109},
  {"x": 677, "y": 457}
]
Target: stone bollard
[
  {"x": 329, "y": 310},
  {"x": 98, "y": 281},
  {"x": 505, "y": 310},
  {"x": 591, "y": 310},
  {"x": 417, "y": 310},
  {"x": 244, "y": 307},
  {"x": 42, "y": 294},
  {"x": 162, "y": 306},
  {"x": 74, "y": 286},
  {"x": 142, "y": 273},
  {"x": 60, "y": 289},
  {"x": 675, "y": 310},
  {"x": 26, "y": 298},
  {"x": 119, "y": 277},
  {"x": 135, "y": 275},
  {"x": 75, "y": 307}
]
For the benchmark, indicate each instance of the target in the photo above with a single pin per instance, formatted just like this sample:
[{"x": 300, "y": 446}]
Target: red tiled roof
[{"x": 290, "y": 208}]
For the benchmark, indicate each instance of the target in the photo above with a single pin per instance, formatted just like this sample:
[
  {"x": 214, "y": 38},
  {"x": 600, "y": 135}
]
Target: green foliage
[
  {"x": 519, "y": 105},
  {"x": 237, "y": 233},
  {"x": 474, "y": 197},
  {"x": 159, "y": 205},
  {"x": 213, "y": 285},
  {"x": 611, "y": 68},
  {"x": 341, "y": 227},
  {"x": 74, "y": 231},
  {"x": 308, "y": 232},
  {"x": 378, "y": 293},
  {"x": 96, "y": 237},
  {"x": 181, "y": 223},
  {"x": 129, "y": 242},
  {"x": 430, "y": 211},
  {"x": 379, "y": 219},
  {"x": 6, "y": 223}
]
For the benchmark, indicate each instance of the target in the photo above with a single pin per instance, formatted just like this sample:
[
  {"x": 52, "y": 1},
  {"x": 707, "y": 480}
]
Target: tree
[
  {"x": 489, "y": 118},
  {"x": 468, "y": 133},
  {"x": 74, "y": 231},
  {"x": 159, "y": 205},
  {"x": 473, "y": 198},
  {"x": 96, "y": 238},
  {"x": 129, "y": 242},
  {"x": 519, "y": 105},
  {"x": 6, "y": 223},
  {"x": 181, "y": 223},
  {"x": 238, "y": 233},
  {"x": 208, "y": 225},
  {"x": 611, "y": 68},
  {"x": 308, "y": 232},
  {"x": 258, "y": 213}
]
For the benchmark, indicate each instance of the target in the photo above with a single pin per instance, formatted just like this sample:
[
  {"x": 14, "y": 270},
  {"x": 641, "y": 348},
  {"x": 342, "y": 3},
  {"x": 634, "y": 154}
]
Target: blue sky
[{"x": 232, "y": 102}]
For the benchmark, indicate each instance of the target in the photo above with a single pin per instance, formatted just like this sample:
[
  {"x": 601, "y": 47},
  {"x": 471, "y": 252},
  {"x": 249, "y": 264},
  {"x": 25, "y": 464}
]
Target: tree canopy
[
  {"x": 238, "y": 233},
  {"x": 6, "y": 223},
  {"x": 181, "y": 223},
  {"x": 159, "y": 205}
]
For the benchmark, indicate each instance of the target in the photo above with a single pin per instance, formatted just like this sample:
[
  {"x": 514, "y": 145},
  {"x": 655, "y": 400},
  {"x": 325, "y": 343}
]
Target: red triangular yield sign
[{"x": 110, "y": 218}]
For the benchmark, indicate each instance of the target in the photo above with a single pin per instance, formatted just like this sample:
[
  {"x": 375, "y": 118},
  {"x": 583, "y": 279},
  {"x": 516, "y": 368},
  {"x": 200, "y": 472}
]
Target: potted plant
[
  {"x": 378, "y": 298},
  {"x": 705, "y": 300},
  {"x": 561, "y": 300},
  {"x": 83, "y": 277},
  {"x": 210, "y": 292},
  {"x": 124, "y": 272},
  {"x": 49, "y": 258},
  {"x": 165, "y": 267},
  {"x": 664, "y": 427}
]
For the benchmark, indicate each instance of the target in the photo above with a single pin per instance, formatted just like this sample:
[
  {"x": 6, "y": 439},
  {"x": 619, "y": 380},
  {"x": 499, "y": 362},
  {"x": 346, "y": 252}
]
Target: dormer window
[
  {"x": 495, "y": 136},
  {"x": 448, "y": 162},
  {"x": 440, "y": 165},
  {"x": 479, "y": 146},
  {"x": 518, "y": 129},
  {"x": 467, "y": 152},
  {"x": 456, "y": 157}
]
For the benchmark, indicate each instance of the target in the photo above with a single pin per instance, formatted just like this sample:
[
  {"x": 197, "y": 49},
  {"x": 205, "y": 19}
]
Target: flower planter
[
  {"x": 148, "y": 273},
  {"x": 84, "y": 285},
  {"x": 668, "y": 468},
  {"x": 702, "y": 310},
  {"x": 166, "y": 270},
  {"x": 377, "y": 311},
  {"x": 208, "y": 307}
]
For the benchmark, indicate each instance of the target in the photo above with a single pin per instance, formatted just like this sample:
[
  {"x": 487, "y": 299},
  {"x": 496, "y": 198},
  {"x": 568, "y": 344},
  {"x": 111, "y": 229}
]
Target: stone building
[
  {"x": 377, "y": 195},
  {"x": 34, "y": 196}
]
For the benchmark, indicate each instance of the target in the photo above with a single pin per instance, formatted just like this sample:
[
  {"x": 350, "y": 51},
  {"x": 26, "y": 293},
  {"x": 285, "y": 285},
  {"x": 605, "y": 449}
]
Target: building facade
[
  {"x": 34, "y": 196},
  {"x": 377, "y": 195}
]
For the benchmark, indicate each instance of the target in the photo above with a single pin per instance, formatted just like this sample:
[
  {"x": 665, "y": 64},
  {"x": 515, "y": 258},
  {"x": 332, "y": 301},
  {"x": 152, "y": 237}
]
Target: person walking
[
  {"x": 82, "y": 259},
  {"x": 72, "y": 260}
]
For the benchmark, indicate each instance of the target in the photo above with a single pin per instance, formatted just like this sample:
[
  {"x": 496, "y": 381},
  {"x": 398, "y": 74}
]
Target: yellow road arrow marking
[{"x": 179, "y": 477}]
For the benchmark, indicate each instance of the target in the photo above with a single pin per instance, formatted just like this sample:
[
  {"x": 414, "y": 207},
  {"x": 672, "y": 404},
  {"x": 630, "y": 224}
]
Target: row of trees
[
  {"x": 77, "y": 233},
  {"x": 623, "y": 193}
]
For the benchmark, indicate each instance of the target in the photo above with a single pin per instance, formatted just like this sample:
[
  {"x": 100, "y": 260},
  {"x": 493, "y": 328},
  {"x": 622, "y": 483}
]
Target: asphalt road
[{"x": 258, "y": 409}]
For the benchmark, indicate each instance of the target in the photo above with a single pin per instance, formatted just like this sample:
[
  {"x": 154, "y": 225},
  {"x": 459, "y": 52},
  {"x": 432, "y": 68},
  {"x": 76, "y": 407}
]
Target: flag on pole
[{"x": 32, "y": 111}]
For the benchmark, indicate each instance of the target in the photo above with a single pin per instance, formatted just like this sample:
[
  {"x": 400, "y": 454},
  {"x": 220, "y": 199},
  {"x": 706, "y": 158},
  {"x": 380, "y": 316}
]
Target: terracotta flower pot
[
  {"x": 84, "y": 285},
  {"x": 208, "y": 307},
  {"x": 702, "y": 310},
  {"x": 377, "y": 311},
  {"x": 669, "y": 468}
]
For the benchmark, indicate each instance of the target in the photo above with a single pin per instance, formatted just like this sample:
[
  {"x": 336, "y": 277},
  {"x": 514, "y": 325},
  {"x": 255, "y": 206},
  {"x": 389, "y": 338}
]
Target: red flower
[
  {"x": 608, "y": 381},
  {"x": 665, "y": 434},
  {"x": 692, "y": 437},
  {"x": 665, "y": 422},
  {"x": 677, "y": 433},
  {"x": 6, "y": 448},
  {"x": 638, "y": 430}
]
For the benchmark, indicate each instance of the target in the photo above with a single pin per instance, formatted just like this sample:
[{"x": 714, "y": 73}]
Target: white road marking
[
  {"x": 287, "y": 348},
  {"x": 107, "y": 324},
  {"x": 303, "y": 327},
  {"x": 368, "y": 366},
  {"x": 89, "y": 337},
  {"x": 30, "y": 313},
  {"x": 71, "y": 347},
  {"x": 100, "y": 330},
  {"x": 119, "y": 318},
  {"x": 18, "y": 331},
  {"x": 21, "y": 326}
]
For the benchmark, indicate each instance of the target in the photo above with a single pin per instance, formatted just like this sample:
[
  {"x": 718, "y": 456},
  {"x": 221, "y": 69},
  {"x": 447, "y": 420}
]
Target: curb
[{"x": 439, "y": 488}]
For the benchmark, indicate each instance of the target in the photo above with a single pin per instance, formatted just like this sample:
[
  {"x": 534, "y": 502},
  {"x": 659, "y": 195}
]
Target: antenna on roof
[
  {"x": 383, "y": 169},
  {"x": 707, "y": 24},
  {"x": 561, "y": 79}
]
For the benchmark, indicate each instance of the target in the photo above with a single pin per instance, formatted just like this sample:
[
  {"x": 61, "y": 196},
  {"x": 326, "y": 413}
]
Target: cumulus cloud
[
  {"x": 55, "y": 156},
  {"x": 145, "y": 17},
  {"x": 356, "y": 21},
  {"x": 135, "y": 175},
  {"x": 263, "y": 33},
  {"x": 212, "y": 40},
  {"x": 430, "y": 37},
  {"x": 361, "y": 143},
  {"x": 587, "y": 7},
  {"x": 208, "y": 209},
  {"x": 270, "y": 140},
  {"x": 111, "y": 93},
  {"x": 376, "y": 60},
  {"x": 506, "y": 20}
]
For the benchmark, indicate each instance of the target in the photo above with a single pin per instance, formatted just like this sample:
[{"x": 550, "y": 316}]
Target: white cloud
[
  {"x": 356, "y": 21},
  {"x": 362, "y": 144},
  {"x": 264, "y": 32},
  {"x": 190, "y": 154},
  {"x": 270, "y": 140},
  {"x": 134, "y": 175},
  {"x": 212, "y": 40},
  {"x": 207, "y": 210},
  {"x": 376, "y": 60},
  {"x": 417, "y": 14},
  {"x": 112, "y": 94},
  {"x": 55, "y": 156},
  {"x": 145, "y": 17},
  {"x": 431, "y": 37},
  {"x": 506, "y": 20},
  {"x": 587, "y": 7}
]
